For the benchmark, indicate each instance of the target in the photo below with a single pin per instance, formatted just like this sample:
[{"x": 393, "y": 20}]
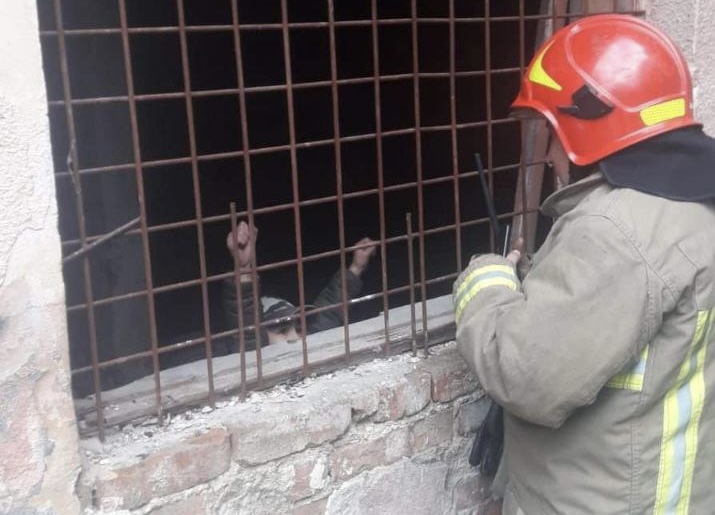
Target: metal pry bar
[{"x": 491, "y": 210}]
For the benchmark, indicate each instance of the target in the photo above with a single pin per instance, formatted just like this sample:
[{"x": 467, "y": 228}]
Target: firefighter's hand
[
  {"x": 246, "y": 240},
  {"x": 514, "y": 256},
  {"x": 520, "y": 259}
]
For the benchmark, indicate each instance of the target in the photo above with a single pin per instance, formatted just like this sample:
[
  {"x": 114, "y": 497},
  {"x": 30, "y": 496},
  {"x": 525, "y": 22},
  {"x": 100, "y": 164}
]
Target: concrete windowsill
[{"x": 188, "y": 385}]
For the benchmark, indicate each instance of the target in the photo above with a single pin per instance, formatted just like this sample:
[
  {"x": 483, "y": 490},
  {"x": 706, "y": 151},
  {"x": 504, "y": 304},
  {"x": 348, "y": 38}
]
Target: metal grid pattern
[{"x": 80, "y": 42}]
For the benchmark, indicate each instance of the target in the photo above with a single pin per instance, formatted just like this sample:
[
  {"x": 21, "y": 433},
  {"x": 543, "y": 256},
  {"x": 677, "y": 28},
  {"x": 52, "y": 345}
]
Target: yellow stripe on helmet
[
  {"x": 539, "y": 76},
  {"x": 663, "y": 112}
]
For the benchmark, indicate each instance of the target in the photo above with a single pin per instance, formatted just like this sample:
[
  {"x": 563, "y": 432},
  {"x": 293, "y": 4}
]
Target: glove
[{"x": 489, "y": 442}]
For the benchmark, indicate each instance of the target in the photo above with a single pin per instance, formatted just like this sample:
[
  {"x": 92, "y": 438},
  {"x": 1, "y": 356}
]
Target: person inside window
[{"x": 283, "y": 317}]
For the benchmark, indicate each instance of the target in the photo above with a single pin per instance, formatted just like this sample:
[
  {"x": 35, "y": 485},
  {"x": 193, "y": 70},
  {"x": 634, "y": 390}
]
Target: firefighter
[{"x": 603, "y": 355}]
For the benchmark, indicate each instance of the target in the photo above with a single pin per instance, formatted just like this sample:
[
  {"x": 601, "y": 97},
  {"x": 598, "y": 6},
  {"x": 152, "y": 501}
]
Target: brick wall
[{"x": 389, "y": 437}]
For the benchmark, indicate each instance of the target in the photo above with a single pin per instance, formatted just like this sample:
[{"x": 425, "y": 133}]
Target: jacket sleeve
[
  {"x": 584, "y": 312},
  {"x": 230, "y": 310},
  {"x": 332, "y": 294}
]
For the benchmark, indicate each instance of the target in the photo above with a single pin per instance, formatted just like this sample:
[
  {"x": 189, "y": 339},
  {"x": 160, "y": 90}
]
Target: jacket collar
[{"x": 564, "y": 200}]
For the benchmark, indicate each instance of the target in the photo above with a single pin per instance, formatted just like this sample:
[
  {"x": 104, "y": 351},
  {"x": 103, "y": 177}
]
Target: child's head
[{"x": 283, "y": 320}]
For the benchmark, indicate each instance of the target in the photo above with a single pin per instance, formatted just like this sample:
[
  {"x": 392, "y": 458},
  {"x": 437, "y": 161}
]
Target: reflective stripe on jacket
[{"x": 603, "y": 358}]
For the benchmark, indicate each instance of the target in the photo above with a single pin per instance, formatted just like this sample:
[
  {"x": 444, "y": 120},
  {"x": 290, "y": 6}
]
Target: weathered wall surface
[
  {"x": 38, "y": 438},
  {"x": 389, "y": 437},
  {"x": 691, "y": 23}
]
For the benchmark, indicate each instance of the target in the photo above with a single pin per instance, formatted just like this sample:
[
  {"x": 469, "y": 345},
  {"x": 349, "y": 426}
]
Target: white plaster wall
[
  {"x": 38, "y": 438},
  {"x": 691, "y": 23}
]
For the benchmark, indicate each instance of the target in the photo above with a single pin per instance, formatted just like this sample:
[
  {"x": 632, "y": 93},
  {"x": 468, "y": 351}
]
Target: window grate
[{"x": 318, "y": 122}]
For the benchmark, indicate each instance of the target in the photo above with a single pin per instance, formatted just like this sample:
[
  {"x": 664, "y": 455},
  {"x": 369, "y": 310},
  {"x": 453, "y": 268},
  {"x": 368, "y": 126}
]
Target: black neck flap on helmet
[{"x": 678, "y": 165}]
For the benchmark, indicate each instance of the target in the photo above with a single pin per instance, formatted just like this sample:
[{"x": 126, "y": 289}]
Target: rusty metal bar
[
  {"x": 488, "y": 91},
  {"x": 294, "y": 178},
  {"x": 420, "y": 185},
  {"x": 252, "y": 90},
  {"x": 139, "y": 177},
  {"x": 411, "y": 272},
  {"x": 277, "y": 26},
  {"x": 79, "y": 205},
  {"x": 284, "y": 376},
  {"x": 556, "y": 15},
  {"x": 559, "y": 14},
  {"x": 99, "y": 241},
  {"x": 288, "y": 262},
  {"x": 239, "y": 302},
  {"x": 559, "y": 7},
  {"x": 453, "y": 134},
  {"x": 338, "y": 175},
  {"x": 522, "y": 230},
  {"x": 374, "y": 32},
  {"x": 534, "y": 136},
  {"x": 316, "y": 201},
  {"x": 201, "y": 341},
  {"x": 278, "y": 148},
  {"x": 633, "y": 9},
  {"x": 248, "y": 182},
  {"x": 197, "y": 195},
  {"x": 305, "y": 203}
]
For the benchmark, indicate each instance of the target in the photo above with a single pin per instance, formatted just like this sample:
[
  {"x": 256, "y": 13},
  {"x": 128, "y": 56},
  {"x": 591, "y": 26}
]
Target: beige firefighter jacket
[{"x": 603, "y": 358}]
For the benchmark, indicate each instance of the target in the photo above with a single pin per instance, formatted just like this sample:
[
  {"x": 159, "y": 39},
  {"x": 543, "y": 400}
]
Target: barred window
[{"x": 178, "y": 123}]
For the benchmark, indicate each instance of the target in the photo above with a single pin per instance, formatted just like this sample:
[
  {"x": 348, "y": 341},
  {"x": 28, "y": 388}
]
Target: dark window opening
[{"x": 150, "y": 136}]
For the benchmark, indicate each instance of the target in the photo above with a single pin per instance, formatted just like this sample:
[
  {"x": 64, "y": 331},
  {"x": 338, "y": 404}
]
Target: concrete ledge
[{"x": 187, "y": 385}]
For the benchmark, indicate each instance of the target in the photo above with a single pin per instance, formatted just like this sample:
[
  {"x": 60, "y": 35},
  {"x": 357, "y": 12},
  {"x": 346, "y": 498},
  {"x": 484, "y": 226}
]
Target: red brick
[
  {"x": 431, "y": 431},
  {"x": 184, "y": 465},
  {"x": 406, "y": 397},
  {"x": 352, "y": 458},
  {"x": 451, "y": 377}
]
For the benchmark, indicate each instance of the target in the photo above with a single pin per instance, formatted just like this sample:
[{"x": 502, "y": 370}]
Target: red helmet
[{"x": 607, "y": 82}]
